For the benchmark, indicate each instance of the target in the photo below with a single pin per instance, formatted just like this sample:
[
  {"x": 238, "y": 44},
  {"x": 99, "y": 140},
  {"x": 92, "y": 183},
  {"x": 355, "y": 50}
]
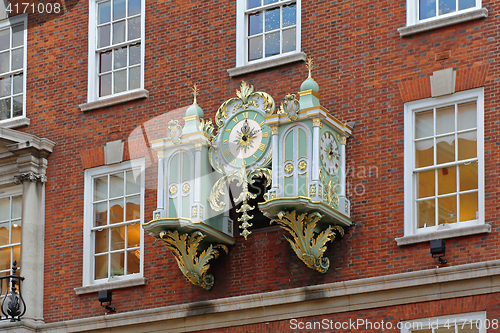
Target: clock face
[
  {"x": 329, "y": 151},
  {"x": 245, "y": 138}
]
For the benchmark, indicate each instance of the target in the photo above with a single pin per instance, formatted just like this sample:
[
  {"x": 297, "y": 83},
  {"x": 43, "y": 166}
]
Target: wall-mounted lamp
[
  {"x": 105, "y": 297},
  {"x": 438, "y": 250}
]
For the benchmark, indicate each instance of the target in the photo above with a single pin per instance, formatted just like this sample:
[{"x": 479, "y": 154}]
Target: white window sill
[
  {"x": 111, "y": 285},
  {"x": 443, "y": 22},
  {"x": 268, "y": 63},
  {"x": 15, "y": 122},
  {"x": 442, "y": 234},
  {"x": 113, "y": 100}
]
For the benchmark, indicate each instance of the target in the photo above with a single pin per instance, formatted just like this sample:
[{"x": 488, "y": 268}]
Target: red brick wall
[{"x": 362, "y": 63}]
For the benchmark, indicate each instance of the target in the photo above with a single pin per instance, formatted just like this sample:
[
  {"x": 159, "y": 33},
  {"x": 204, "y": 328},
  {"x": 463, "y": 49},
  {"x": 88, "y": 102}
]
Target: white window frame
[
  {"x": 241, "y": 34},
  {"x": 8, "y": 22},
  {"x": 9, "y": 193},
  {"x": 88, "y": 242},
  {"x": 413, "y": 12},
  {"x": 465, "y": 319},
  {"x": 93, "y": 61},
  {"x": 410, "y": 227}
]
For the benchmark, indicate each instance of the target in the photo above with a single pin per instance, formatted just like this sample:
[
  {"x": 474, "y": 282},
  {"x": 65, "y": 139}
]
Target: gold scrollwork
[
  {"x": 343, "y": 140},
  {"x": 289, "y": 168},
  {"x": 330, "y": 195},
  {"x": 161, "y": 153},
  {"x": 290, "y": 106},
  {"x": 173, "y": 190},
  {"x": 185, "y": 188},
  {"x": 275, "y": 129},
  {"x": 302, "y": 165},
  {"x": 316, "y": 122},
  {"x": 312, "y": 190},
  {"x": 194, "y": 211},
  {"x": 194, "y": 266},
  {"x": 309, "y": 249},
  {"x": 174, "y": 131}
]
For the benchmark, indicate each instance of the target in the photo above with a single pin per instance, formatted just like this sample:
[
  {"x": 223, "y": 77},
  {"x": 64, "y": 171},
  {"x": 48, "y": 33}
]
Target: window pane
[
  {"x": 18, "y": 35},
  {"x": 133, "y": 183},
  {"x": 116, "y": 211},
  {"x": 470, "y": 327},
  {"x": 134, "y": 28},
  {"x": 105, "y": 59},
  {"x": 118, "y": 32},
  {"x": 134, "y": 7},
  {"x": 135, "y": 54},
  {"x": 5, "y": 86},
  {"x": 4, "y": 233},
  {"x": 4, "y": 39},
  {"x": 289, "y": 15},
  {"x": 16, "y": 232},
  {"x": 120, "y": 58},
  {"x": 18, "y": 83},
  {"x": 17, "y": 204},
  {"x": 467, "y": 116},
  {"x": 17, "y": 58},
  {"x": 272, "y": 19},
  {"x": 424, "y": 153},
  {"x": 445, "y": 150},
  {"x": 117, "y": 263},
  {"x": 118, "y": 9},
  {"x": 447, "y": 6},
  {"x": 467, "y": 145},
  {"x": 423, "y": 124},
  {"x": 445, "y": 330},
  {"x": 101, "y": 241},
  {"x": 445, "y": 120},
  {"x": 4, "y": 62},
  {"x": 447, "y": 180},
  {"x": 101, "y": 267},
  {"x": 4, "y": 209},
  {"x": 133, "y": 208},
  {"x": 5, "y": 258},
  {"x": 468, "y": 207},
  {"x": 255, "y": 48},
  {"x": 120, "y": 81},
  {"x": 427, "y": 9},
  {"x": 104, "y": 12},
  {"x": 468, "y": 176},
  {"x": 100, "y": 188},
  {"x": 255, "y": 24},
  {"x": 105, "y": 85},
  {"x": 272, "y": 44},
  {"x": 117, "y": 238},
  {"x": 103, "y": 36},
  {"x": 5, "y": 108},
  {"x": 133, "y": 261},
  {"x": 464, "y": 4},
  {"x": 267, "y": 2},
  {"x": 133, "y": 235},
  {"x": 116, "y": 185},
  {"x": 16, "y": 255},
  {"x": 425, "y": 184},
  {"x": 447, "y": 208},
  {"x": 100, "y": 214},
  {"x": 289, "y": 40},
  {"x": 134, "y": 79},
  {"x": 18, "y": 106},
  {"x": 426, "y": 213},
  {"x": 253, "y": 3}
]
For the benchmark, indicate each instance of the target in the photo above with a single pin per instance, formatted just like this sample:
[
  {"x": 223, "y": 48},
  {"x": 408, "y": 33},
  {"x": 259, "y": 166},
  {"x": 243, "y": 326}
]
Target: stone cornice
[{"x": 388, "y": 290}]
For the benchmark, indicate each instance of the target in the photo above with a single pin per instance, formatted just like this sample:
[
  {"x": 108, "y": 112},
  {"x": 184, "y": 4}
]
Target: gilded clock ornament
[{"x": 330, "y": 156}]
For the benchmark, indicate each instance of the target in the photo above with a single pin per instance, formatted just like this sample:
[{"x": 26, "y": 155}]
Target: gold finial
[
  {"x": 309, "y": 66},
  {"x": 195, "y": 93}
]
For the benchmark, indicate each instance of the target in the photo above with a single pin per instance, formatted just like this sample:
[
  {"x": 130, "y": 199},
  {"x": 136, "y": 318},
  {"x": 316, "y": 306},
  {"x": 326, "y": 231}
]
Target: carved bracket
[
  {"x": 309, "y": 249},
  {"x": 194, "y": 266}
]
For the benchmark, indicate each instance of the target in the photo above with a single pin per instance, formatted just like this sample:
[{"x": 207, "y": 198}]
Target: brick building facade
[{"x": 377, "y": 64}]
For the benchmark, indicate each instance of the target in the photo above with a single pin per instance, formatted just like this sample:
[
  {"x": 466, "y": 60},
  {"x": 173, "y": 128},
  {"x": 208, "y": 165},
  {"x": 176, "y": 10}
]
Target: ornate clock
[
  {"x": 245, "y": 139},
  {"x": 329, "y": 151},
  {"x": 241, "y": 149}
]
